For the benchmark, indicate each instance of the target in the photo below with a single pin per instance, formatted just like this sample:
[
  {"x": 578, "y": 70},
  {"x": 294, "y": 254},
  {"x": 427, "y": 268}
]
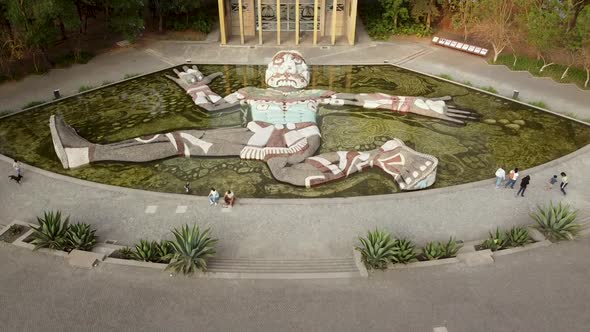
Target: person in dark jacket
[{"x": 523, "y": 184}]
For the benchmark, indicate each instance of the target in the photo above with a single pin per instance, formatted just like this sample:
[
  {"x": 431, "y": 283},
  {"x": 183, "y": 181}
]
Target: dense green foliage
[
  {"x": 192, "y": 248},
  {"x": 439, "y": 250},
  {"x": 377, "y": 249},
  {"x": 518, "y": 236},
  {"x": 404, "y": 251},
  {"x": 557, "y": 222},
  {"x": 80, "y": 237},
  {"x": 56, "y": 233},
  {"x": 51, "y": 33},
  {"x": 51, "y": 232}
]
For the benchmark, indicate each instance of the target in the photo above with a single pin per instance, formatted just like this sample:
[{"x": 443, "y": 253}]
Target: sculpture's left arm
[{"x": 430, "y": 107}]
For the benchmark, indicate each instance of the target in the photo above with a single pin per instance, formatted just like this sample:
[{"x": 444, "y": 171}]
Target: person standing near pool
[
  {"x": 512, "y": 177},
  {"x": 564, "y": 183},
  {"x": 500, "y": 176}
]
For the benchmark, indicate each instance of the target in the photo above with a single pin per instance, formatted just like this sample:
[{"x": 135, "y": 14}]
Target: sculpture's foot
[
  {"x": 71, "y": 149},
  {"x": 412, "y": 170}
]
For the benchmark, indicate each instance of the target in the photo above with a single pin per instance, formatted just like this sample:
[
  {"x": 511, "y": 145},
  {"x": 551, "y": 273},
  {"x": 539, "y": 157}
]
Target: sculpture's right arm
[{"x": 195, "y": 85}]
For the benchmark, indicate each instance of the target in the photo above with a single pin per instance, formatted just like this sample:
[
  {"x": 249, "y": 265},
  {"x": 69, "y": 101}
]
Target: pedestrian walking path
[{"x": 538, "y": 290}]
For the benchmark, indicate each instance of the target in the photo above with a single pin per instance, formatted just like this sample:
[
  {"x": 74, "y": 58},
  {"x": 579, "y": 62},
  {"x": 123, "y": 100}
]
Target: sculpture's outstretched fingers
[
  {"x": 176, "y": 71},
  {"x": 444, "y": 98},
  {"x": 171, "y": 78},
  {"x": 195, "y": 67},
  {"x": 185, "y": 68}
]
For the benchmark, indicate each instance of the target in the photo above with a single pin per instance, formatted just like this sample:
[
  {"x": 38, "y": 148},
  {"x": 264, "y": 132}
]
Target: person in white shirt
[
  {"x": 213, "y": 197},
  {"x": 500, "y": 176},
  {"x": 16, "y": 166},
  {"x": 512, "y": 177}
]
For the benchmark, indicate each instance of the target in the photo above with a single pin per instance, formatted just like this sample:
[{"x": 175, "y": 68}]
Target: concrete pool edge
[{"x": 301, "y": 201}]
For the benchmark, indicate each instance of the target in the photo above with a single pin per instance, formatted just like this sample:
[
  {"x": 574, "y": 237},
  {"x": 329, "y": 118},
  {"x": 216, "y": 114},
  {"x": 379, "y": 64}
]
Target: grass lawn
[{"x": 574, "y": 75}]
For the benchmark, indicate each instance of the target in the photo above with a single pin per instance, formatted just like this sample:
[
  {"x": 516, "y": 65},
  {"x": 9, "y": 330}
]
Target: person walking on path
[
  {"x": 500, "y": 176},
  {"x": 564, "y": 182},
  {"x": 213, "y": 197},
  {"x": 512, "y": 176},
  {"x": 229, "y": 199},
  {"x": 16, "y": 166},
  {"x": 552, "y": 182},
  {"x": 523, "y": 184},
  {"x": 187, "y": 188}
]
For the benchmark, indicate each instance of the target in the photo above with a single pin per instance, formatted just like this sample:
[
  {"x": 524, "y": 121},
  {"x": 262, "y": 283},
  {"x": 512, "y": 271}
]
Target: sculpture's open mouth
[{"x": 151, "y": 105}]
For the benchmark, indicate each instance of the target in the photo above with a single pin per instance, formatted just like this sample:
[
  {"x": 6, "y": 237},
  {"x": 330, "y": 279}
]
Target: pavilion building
[{"x": 287, "y": 21}]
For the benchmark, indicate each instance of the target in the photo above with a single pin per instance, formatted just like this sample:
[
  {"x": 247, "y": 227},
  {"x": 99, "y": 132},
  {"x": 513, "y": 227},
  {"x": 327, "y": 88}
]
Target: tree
[
  {"x": 425, "y": 9},
  {"x": 127, "y": 17},
  {"x": 465, "y": 15},
  {"x": 576, "y": 7},
  {"x": 395, "y": 9},
  {"x": 544, "y": 30},
  {"x": 494, "y": 23}
]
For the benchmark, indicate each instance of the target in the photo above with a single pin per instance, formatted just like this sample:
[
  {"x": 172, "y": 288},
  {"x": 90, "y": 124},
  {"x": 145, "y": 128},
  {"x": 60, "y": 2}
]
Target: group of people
[
  {"x": 513, "y": 175},
  {"x": 229, "y": 197}
]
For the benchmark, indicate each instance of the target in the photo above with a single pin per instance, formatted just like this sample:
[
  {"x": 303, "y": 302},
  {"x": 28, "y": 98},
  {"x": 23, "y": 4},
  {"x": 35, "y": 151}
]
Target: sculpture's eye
[{"x": 279, "y": 60}]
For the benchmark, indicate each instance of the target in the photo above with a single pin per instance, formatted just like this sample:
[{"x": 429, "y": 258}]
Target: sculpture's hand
[{"x": 188, "y": 77}]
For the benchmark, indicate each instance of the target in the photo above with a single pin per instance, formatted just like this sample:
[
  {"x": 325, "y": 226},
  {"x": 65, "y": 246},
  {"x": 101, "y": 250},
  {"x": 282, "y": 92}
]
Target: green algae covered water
[{"x": 507, "y": 133}]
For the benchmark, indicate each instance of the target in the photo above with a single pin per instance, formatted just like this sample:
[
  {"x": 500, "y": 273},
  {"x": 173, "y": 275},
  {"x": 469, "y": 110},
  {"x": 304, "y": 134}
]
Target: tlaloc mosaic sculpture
[{"x": 281, "y": 130}]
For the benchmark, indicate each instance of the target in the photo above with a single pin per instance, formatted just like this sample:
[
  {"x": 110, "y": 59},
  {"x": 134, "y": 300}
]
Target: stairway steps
[
  {"x": 270, "y": 268},
  {"x": 313, "y": 260},
  {"x": 282, "y": 264}
]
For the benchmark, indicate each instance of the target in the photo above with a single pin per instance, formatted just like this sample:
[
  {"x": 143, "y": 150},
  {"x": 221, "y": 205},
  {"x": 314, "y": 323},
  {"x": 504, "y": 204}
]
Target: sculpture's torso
[{"x": 280, "y": 108}]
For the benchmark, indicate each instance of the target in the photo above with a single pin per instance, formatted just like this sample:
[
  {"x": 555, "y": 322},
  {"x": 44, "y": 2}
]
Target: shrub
[
  {"x": 404, "y": 251},
  {"x": 33, "y": 104},
  {"x": 51, "y": 232},
  {"x": 557, "y": 222},
  {"x": 80, "y": 237},
  {"x": 127, "y": 76},
  {"x": 538, "y": 104},
  {"x": 191, "y": 250},
  {"x": 15, "y": 229},
  {"x": 146, "y": 251},
  {"x": 451, "y": 248},
  {"x": 377, "y": 249},
  {"x": 489, "y": 89},
  {"x": 496, "y": 241},
  {"x": 126, "y": 253},
  {"x": 433, "y": 251},
  {"x": 518, "y": 236},
  {"x": 85, "y": 88},
  {"x": 164, "y": 251}
]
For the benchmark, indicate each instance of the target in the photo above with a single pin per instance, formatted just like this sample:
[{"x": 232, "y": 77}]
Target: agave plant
[
  {"x": 404, "y": 251},
  {"x": 79, "y": 236},
  {"x": 496, "y": 241},
  {"x": 51, "y": 232},
  {"x": 377, "y": 249},
  {"x": 145, "y": 251},
  {"x": 164, "y": 251},
  {"x": 451, "y": 248},
  {"x": 126, "y": 253},
  {"x": 15, "y": 229},
  {"x": 191, "y": 248},
  {"x": 518, "y": 236},
  {"x": 557, "y": 222},
  {"x": 433, "y": 251}
]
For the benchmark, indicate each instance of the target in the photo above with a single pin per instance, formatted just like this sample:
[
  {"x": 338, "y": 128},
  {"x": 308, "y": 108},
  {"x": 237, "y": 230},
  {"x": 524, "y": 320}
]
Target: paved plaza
[{"x": 543, "y": 290}]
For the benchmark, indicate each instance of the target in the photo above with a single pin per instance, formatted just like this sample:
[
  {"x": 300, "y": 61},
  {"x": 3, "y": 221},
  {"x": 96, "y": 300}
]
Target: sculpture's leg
[
  {"x": 411, "y": 170},
  {"x": 75, "y": 151}
]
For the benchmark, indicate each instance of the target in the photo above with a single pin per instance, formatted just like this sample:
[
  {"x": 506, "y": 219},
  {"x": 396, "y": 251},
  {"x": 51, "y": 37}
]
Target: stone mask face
[{"x": 287, "y": 71}]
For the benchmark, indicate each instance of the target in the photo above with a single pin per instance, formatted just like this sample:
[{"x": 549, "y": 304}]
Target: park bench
[{"x": 460, "y": 46}]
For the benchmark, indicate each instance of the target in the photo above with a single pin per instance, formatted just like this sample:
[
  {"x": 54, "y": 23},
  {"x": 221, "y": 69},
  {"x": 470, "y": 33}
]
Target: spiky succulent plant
[
  {"x": 377, "y": 249},
  {"x": 51, "y": 232},
  {"x": 557, "y": 222}
]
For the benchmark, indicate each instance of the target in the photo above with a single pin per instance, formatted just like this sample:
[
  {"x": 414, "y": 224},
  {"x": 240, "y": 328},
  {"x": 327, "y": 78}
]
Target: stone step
[{"x": 337, "y": 267}]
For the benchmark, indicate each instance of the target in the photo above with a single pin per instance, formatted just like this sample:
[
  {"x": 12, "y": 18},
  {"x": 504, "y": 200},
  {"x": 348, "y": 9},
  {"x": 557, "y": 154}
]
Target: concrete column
[
  {"x": 297, "y": 17},
  {"x": 222, "y": 21},
  {"x": 352, "y": 24},
  {"x": 278, "y": 22},
  {"x": 315, "y": 22},
  {"x": 241, "y": 17},
  {"x": 259, "y": 22},
  {"x": 334, "y": 5},
  {"x": 323, "y": 18}
]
